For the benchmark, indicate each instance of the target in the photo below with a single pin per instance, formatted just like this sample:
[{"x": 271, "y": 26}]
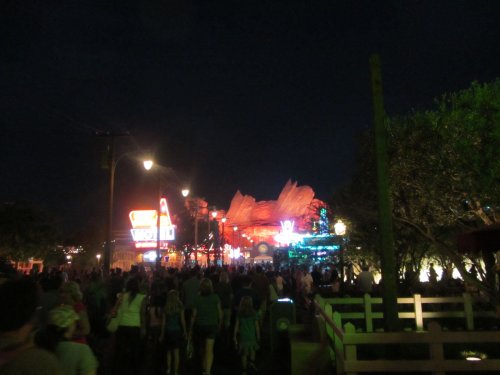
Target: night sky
[{"x": 228, "y": 94}]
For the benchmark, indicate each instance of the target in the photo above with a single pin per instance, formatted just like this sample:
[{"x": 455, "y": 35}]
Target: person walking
[
  {"x": 71, "y": 295},
  {"x": 18, "y": 352},
  {"x": 75, "y": 358},
  {"x": 173, "y": 330},
  {"x": 190, "y": 289},
  {"x": 207, "y": 320},
  {"x": 131, "y": 329},
  {"x": 366, "y": 281},
  {"x": 225, "y": 292},
  {"x": 247, "y": 334}
]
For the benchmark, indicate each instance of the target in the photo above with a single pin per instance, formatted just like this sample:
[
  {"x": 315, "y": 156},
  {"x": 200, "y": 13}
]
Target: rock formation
[{"x": 294, "y": 203}]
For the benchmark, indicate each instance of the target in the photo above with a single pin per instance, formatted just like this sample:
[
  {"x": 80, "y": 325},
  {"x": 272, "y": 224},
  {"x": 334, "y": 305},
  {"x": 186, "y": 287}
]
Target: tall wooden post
[{"x": 384, "y": 203}]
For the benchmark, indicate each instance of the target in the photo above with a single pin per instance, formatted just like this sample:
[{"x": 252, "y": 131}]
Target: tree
[
  {"x": 445, "y": 167},
  {"x": 444, "y": 172},
  {"x": 26, "y": 231}
]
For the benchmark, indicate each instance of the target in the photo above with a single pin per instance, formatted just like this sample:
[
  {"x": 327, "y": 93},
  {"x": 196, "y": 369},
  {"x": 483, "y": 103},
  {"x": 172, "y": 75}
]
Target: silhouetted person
[{"x": 18, "y": 352}]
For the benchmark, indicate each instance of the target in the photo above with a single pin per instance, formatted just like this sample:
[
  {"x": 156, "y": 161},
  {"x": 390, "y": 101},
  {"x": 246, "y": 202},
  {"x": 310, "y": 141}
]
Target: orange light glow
[{"x": 143, "y": 218}]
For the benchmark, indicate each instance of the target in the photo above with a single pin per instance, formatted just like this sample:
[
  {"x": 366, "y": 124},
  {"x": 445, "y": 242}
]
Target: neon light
[
  {"x": 150, "y": 255},
  {"x": 144, "y": 227},
  {"x": 143, "y": 218},
  {"x": 287, "y": 236}
]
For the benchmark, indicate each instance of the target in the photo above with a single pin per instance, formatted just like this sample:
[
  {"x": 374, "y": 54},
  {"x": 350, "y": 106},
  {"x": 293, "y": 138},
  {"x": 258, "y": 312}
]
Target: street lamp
[
  {"x": 161, "y": 208},
  {"x": 235, "y": 228},
  {"x": 148, "y": 164},
  {"x": 98, "y": 256},
  {"x": 340, "y": 230},
  {"x": 216, "y": 244},
  {"x": 111, "y": 174},
  {"x": 194, "y": 212},
  {"x": 223, "y": 240}
]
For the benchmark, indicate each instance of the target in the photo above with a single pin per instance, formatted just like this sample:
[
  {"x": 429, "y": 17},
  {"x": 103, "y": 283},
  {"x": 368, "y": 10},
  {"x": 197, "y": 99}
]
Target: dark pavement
[{"x": 226, "y": 359}]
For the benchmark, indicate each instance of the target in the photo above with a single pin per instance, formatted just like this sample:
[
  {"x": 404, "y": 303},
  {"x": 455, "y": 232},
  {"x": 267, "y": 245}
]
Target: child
[
  {"x": 75, "y": 358},
  {"x": 173, "y": 329},
  {"x": 247, "y": 333}
]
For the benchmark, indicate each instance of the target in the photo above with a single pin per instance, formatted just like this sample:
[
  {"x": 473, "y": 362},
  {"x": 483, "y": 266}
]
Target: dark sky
[{"x": 231, "y": 95}]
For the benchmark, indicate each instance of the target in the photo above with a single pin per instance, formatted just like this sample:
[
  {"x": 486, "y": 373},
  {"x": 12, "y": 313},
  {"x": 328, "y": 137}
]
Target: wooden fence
[
  {"x": 345, "y": 344},
  {"x": 415, "y": 308}
]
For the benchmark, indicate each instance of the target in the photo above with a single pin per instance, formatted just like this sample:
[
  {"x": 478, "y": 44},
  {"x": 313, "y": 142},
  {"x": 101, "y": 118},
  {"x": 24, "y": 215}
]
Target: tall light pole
[
  {"x": 223, "y": 239},
  {"x": 216, "y": 244},
  {"x": 185, "y": 194},
  {"x": 235, "y": 228},
  {"x": 111, "y": 163},
  {"x": 148, "y": 164},
  {"x": 340, "y": 230},
  {"x": 196, "y": 208},
  {"x": 195, "y": 204}
]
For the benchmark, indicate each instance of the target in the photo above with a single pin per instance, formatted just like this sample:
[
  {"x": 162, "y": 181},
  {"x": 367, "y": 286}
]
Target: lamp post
[
  {"x": 216, "y": 245},
  {"x": 223, "y": 239},
  {"x": 194, "y": 212},
  {"x": 235, "y": 228},
  {"x": 148, "y": 164},
  {"x": 340, "y": 230},
  {"x": 98, "y": 256},
  {"x": 112, "y": 164}
]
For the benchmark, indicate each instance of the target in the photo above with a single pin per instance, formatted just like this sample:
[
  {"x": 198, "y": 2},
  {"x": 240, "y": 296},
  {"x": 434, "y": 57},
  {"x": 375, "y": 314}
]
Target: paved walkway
[{"x": 226, "y": 359}]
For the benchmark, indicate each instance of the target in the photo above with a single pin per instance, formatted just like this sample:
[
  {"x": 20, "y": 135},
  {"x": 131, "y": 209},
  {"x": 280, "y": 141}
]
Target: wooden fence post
[
  {"x": 469, "y": 313},
  {"x": 338, "y": 344},
  {"x": 350, "y": 353},
  {"x": 417, "y": 307},
  {"x": 436, "y": 348},
  {"x": 368, "y": 312}
]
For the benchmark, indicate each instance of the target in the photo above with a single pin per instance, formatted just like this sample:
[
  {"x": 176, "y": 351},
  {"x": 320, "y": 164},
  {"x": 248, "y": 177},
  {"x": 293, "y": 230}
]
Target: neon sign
[
  {"x": 145, "y": 227},
  {"x": 287, "y": 235}
]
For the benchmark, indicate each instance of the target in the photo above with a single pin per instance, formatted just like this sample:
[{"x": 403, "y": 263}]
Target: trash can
[{"x": 281, "y": 315}]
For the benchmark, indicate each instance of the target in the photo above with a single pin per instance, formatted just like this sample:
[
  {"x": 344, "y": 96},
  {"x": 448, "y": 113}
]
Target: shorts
[
  {"x": 207, "y": 332},
  {"x": 173, "y": 340}
]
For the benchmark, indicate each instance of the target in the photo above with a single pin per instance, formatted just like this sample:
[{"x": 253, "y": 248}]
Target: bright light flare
[{"x": 148, "y": 164}]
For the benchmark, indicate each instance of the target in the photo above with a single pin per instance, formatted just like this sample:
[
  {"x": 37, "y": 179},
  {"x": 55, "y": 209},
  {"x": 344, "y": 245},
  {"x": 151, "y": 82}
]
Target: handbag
[
  {"x": 116, "y": 314},
  {"x": 113, "y": 324},
  {"x": 189, "y": 349}
]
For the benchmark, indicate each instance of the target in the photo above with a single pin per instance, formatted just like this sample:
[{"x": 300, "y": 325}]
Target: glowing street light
[
  {"x": 148, "y": 164},
  {"x": 340, "y": 230},
  {"x": 98, "y": 256},
  {"x": 224, "y": 219},
  {"x": 235, "y": 228},
  {"x": 112, "y": 163}
]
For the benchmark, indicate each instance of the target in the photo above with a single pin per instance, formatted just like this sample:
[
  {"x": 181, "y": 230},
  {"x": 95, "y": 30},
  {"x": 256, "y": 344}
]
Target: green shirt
[
  {"x": 33, "y": 361},
  {"x": 76, "y": 358},
  {"x": 207, "y": 312}
]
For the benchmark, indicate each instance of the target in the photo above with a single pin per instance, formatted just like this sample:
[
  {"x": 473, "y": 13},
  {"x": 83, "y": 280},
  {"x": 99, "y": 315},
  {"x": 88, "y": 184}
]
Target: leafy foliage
[
  {"x": 444, "y": 173},
  {"x": 25, "y": 231}
]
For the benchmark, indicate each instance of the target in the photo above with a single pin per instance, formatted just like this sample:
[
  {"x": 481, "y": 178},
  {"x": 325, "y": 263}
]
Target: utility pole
[
  {"x": 196, "y": 233},
  {"x": 111, "y": 164},
  {"x": 158, "y": 224},
  {"x": 384, "y": 203}
]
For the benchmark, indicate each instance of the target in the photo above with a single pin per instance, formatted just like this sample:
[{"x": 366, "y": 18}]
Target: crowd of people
[
  {"x": 68, "y": 321},
  {"x": 61, "y": 321}
]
